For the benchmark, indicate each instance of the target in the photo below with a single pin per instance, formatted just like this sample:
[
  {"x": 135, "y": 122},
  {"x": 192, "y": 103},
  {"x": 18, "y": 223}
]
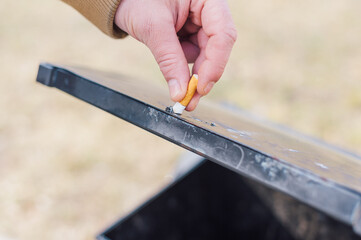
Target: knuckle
[
  {"x": 218, "y": 72},
  {"x": 167, "y": 63},
  {"x": 231, "y": 34},
  {"x": 148, "y": 28}
]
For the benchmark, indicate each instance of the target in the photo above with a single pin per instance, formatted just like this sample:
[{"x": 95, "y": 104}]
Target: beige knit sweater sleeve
[{"x": 101, "y": 13}]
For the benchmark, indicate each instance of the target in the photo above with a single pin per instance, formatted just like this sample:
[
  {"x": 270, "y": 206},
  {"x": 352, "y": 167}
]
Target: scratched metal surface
[{"x": 309, "y": 170}]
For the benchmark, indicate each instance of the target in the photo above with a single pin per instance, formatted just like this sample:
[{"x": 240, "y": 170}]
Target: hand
[{"x": 179, "y": 32}]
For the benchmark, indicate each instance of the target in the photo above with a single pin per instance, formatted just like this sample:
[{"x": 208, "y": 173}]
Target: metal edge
[
  {"x": 331, "y": 198},
  {"x": 290, "y": 131},
  {"x": 356, "y": 219},
  {"x": 45, "y": 74},
  {"x": 101, "y": 237}
]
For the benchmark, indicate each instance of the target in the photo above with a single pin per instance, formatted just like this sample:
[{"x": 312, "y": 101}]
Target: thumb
[{"x": 167, "y": 50}]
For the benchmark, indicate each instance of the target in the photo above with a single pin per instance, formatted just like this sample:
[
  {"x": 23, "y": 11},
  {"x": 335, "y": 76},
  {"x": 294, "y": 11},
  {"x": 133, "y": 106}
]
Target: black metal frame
[{"x": 215, "y": 140}]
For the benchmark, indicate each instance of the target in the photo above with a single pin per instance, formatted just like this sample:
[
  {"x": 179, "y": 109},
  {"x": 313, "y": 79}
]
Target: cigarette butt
[
  {"x": 179, "y": 107},
  {"x": 192, "y": 88}
]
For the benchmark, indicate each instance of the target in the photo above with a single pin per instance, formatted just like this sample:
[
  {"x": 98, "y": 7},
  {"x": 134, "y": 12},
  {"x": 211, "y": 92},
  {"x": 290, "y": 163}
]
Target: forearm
[{"x": 101, "y": 13}]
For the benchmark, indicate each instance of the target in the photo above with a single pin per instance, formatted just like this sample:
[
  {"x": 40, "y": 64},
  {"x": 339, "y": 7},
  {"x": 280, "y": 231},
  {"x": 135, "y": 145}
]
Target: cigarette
[{"x": 179, "y": 107}]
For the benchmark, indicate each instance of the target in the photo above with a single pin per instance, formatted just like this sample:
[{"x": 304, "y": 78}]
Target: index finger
[{"x": 218, "y": 25}]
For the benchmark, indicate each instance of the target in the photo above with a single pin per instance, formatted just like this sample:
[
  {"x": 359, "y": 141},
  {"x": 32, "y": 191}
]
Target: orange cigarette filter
[{"x": 191, "y": 90}]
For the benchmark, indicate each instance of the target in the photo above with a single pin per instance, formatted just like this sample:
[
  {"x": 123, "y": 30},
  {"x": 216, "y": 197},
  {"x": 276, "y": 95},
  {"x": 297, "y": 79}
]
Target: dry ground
[{"x": 67, "y": 170}]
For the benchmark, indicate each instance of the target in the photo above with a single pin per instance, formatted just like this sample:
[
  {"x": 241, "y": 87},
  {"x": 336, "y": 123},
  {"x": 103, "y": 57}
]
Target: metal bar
[{"x": 310, "y": 171}]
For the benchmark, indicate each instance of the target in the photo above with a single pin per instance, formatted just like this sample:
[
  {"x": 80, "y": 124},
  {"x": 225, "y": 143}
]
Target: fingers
[
  {"x": 190, "y": 50},
  {"x": 216, "y": 42},
  {"x": 209, "y": 49},
  {"x": 194, "y": 102},
  {"x": 188, "y": 38},
  {"x": 189, "y": 28},
  {"x": 168, "y": 52},
  {"x": 202, "y": 40}
]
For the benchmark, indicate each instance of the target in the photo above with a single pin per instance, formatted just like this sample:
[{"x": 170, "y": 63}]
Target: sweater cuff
[{"x": 101, "y": 13}]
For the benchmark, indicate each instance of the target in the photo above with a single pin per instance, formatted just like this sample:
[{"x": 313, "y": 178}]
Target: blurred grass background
[{"x": 67, "y": 170}]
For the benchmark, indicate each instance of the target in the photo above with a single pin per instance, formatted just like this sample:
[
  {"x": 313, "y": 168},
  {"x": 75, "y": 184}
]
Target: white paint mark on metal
[
  {"x": 293, "y": 150},
  {"x": 321, "y": 165}
]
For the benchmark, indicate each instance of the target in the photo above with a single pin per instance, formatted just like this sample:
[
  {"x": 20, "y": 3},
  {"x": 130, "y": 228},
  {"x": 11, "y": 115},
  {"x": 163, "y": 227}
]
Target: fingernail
[
  {"x": 208, "y": 88},
  {"x": 174, "y": 88}
]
